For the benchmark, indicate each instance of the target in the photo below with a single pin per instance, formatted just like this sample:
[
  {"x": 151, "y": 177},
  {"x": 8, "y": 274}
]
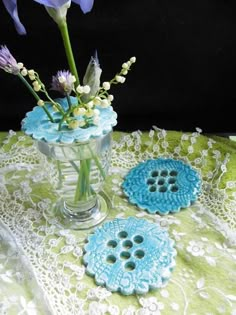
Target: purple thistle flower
[
  {"x": 11, "y": 7},
  {"x": 7, "y": 61},
  {"x": 63, "y": 82}
]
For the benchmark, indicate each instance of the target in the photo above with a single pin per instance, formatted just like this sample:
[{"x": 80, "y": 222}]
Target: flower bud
[
  {"x": 86, "y": 89},
  {"x": 80, "y": 89},
  {"x": 24, "y": 72},
  {"x": 90, "y": 105},
  {"x": 118, "y": 78},
  {"x": 97, "y": 100},
  {"x": 36, "y": 86},
  {"x": 31, "y": 72},
  {"x": 110, "y": 97},
  {"x": 105, "y": 103},
  {"x": 20, "y": 65},
  {"x": 89, "y": 113},
  {"x": 40, "y": 103},
  {"x": 106, "y": 86},
  {"x": 73, "y": 124},
  {"x": 32, "y": 77},
  {"x": 73, "y": 79},
  {"x": 133, "y": 59},
  {"x": 79, "y": 111}
]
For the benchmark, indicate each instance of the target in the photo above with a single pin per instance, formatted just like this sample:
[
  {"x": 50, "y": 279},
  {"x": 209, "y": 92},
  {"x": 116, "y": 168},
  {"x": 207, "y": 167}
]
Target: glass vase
[{"x": 82, "y": 168}]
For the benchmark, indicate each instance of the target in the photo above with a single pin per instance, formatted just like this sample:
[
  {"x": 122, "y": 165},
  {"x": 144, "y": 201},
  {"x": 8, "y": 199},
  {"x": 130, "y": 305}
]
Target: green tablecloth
[{"x": 40, "y": 266}]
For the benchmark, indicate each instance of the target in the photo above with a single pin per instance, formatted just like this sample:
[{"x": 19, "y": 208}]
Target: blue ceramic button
[
  {"x": 162, "y": 185},
  {"x": 130, "y": 256}
]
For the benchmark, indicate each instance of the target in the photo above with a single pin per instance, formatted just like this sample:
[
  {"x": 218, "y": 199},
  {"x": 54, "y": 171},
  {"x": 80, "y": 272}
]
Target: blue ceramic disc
[
  {"x": 37, "y": 125},
  {"x": 130, "y": 256},
  {"x": 162, "y": 185}
]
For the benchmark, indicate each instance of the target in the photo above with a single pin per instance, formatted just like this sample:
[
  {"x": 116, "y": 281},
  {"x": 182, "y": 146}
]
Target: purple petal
[
  {"x": 7, "y": 62},
  {"x": 85, "y": 5},
  {"x": 11, "y": 6},
  {"x": 52, "y": 3}
]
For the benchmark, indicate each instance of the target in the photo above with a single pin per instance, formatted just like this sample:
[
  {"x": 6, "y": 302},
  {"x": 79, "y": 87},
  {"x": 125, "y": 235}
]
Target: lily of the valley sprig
[{"x": 90, "y": 94}]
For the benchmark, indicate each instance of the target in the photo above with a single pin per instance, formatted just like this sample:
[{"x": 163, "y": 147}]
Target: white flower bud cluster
[
  {"x": 88, "y": 114},
  {"x": 103, "y": 102},
  {"x": 83, "y": 89},
  {"x": 36, "y": 86},
  {"x": 120, "y": 77},
  {"x": 87, "y": 111},
  {"x": 32, "y": 76},
  {"x": 125, "y": 68}
]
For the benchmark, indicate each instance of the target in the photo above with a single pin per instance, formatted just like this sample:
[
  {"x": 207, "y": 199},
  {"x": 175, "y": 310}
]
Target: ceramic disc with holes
[
  {"x": 162, "y": 185},
  {"x": 130, "y": 256}
]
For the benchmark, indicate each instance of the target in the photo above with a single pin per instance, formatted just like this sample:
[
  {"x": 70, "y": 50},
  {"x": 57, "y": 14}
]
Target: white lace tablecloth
[{"x": 41, "y": 270}]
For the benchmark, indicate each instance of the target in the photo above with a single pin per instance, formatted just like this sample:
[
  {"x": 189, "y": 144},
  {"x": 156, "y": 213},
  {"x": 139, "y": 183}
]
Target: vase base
[{"x": 59, "y": 216}]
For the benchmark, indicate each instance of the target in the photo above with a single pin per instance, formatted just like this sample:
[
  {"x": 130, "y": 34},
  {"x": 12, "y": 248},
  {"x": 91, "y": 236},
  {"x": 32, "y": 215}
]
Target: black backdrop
[{"x": 186, "y": 59}]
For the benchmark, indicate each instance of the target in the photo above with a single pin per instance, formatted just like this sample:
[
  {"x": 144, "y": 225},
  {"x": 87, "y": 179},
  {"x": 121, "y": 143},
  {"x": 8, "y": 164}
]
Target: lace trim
[{"x": 26, "y": 181}]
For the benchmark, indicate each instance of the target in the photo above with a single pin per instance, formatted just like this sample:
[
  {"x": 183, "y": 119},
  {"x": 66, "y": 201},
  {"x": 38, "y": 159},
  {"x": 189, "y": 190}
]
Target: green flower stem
[
  {"x": 68, "y": 49},
  {"x": 58, "y": 107},
  {"x": 97, "y": 162},
  {"x": 69, "y": 101},
  {"x": 83, "y": 189},
  {"x": 35, "y": 95}
]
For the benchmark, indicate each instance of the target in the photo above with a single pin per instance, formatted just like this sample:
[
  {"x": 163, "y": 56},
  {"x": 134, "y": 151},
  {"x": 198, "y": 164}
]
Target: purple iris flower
[
  {"x": 11, "y": 6},
  {"x": 7, "y": 61}
]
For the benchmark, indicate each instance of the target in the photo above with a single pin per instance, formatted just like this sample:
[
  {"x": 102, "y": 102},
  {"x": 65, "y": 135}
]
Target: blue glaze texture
[
  {"x": 162, "y": 185},
  {"x": 37, "y": 125},
  {"x": 130, "y": 256}
]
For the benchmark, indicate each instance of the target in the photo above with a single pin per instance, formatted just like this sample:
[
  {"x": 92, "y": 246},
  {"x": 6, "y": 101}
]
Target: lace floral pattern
[{"x": 54, "y": 279}]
